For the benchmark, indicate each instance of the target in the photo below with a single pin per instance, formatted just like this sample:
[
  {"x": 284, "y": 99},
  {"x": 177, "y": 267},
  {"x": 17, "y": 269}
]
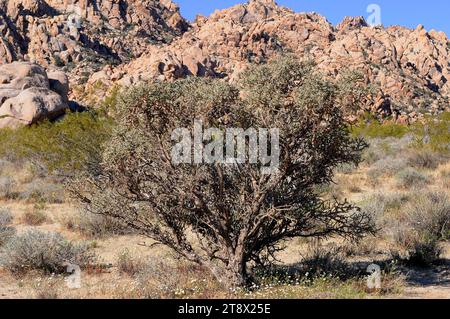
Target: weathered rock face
[
  {"x": 127, "y": 41},
  {"x": 409, "y": 67},
  {"x": 29, "y": 95},
  {"x": 81, "y": 36}
]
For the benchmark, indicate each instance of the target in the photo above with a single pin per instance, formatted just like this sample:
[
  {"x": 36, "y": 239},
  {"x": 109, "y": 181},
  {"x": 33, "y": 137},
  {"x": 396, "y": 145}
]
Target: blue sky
[{"x": 433, "y": 14}]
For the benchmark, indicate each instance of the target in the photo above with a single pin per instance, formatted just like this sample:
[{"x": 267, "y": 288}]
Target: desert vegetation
[{"x": 98, "y": 191}]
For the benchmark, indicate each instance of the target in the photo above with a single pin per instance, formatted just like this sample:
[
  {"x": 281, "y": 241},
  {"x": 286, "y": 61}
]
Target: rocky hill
[
  {"x": 82, "y": 36},
  {"x": 410, "y": 68},
  {"x": 106, "y": 42}
]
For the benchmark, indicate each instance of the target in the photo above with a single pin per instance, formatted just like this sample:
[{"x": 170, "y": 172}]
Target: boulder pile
[{"x": 28, "y": 94}]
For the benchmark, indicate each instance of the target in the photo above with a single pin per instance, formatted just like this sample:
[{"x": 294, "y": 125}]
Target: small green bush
[
  {"x": 434, "y": 134},
  {"x": 66, "y": 145},
  {"x": 47, "y": 252},
  {"x": 431, "y": 134},
  {"x": 372, "y": 128}
]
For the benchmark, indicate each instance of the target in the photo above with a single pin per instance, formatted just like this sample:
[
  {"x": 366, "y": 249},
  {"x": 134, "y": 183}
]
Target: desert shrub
[
  {"x": 388, "y": 147},
  {"x": 128, "y": 264},
  {"x": 6, "y": 231},
  {"x": 429, "y": 213},
  {"x": 92, "y": 225},
  {"x": 365, "y": 247},
  {"x": 346, "y": 168},
  {"x": 423, "y": 159},
  {"x": 386, "y": 167},
  {"x": 415, "y": 250},
  {"x": 433, "y": 134},
  {"x": 320, "y": 261},
  {"x": 99, "y": 226},
  {"x": 373, "y": 128},
  {"x": 379, "y": 205},
  {"x": 65, "y": 146},
  {"x": 47, "y": 252},
  {"x": 46, "y": 289},
  {"x": 424, "y": 253},
  {"x": 42, "y": 191},
  {"x": 410, "y": 177},
  {"x": 422, "y": 223},
  {"x": 231, "y": 208},
  {"x": 7, "y": 188},
  {"x": 34, "y": 217}
]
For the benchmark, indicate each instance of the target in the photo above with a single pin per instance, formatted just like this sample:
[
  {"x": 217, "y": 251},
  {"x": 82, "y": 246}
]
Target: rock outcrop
[
  {"x": 104, "y": 43},
  {"x": 82, "y": 36},
  {"x": 28, "y": 94},
  {"x": 409, "y": 68}
]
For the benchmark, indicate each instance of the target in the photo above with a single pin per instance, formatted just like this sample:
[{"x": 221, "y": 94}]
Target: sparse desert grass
[
  {"x": 364, "y": 247},
  {"x": 92, "y": 226},
  {"x": 160, "y": 279},
  {"x": 42, "y": 191},
  {"x": 34, "y": 217},
  {"x": 129, "y": 264},
  {"x": 98, "y": 226}
]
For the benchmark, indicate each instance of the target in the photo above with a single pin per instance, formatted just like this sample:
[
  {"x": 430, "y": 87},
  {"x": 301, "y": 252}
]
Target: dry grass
[{"x": 34, "y": 217}]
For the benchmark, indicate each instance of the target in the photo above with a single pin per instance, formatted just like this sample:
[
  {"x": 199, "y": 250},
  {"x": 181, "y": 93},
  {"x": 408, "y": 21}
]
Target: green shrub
[
  {"x": 48, "y": 252},
  {"x": 370, "y": 127},
  {"x": 66, "y": 145},
  {"x": 433, "y": 133}
]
